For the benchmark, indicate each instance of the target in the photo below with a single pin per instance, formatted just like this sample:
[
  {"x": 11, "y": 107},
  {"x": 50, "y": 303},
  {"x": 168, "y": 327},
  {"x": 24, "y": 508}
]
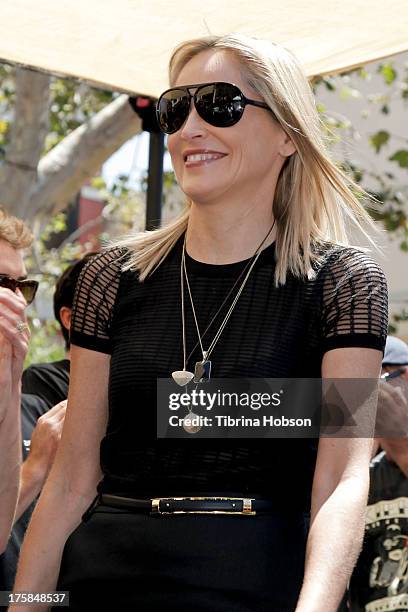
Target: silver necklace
[{"x": 202, "y": 370}]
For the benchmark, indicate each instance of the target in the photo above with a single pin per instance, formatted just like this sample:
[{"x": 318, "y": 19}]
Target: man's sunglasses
[
  {"x": 27, "y": 287},
  {"x": 219, "y": 104}
]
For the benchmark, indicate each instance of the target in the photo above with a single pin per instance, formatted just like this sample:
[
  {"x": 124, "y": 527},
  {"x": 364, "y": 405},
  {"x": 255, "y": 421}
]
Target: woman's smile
[{"x": 201, "y": 157}]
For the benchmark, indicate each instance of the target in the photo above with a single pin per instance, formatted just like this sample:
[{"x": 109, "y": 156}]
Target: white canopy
[{"x": 124, "y": 45}]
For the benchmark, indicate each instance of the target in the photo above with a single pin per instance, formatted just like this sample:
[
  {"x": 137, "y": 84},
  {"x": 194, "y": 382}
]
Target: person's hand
[
  {"x": 392, "y": 410},
  {"x": 5, "y": 376},
  {"x": 44, "y": 442},
  {"x": 12, "y": 317}
]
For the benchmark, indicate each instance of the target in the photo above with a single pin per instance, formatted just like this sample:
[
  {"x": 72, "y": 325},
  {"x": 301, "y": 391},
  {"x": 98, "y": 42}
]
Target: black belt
[{"x": 245, "y": 506}]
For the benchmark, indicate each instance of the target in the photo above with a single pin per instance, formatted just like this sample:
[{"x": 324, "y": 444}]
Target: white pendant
[
  {"x": 191, "y": 423},
  {"x": 182, "y": 377}
]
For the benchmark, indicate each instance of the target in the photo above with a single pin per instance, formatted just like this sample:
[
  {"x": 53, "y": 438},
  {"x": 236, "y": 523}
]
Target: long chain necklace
[{"x": 202, "y": 370}]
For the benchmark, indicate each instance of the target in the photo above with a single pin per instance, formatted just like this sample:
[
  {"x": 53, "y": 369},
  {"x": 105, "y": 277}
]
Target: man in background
[
  {"x": 50, "y": 381},
  {"x": 380, "y": 579}
]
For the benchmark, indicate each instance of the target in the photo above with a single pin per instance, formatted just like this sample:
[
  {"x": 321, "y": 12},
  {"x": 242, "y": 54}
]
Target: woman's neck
[{"x": 217, "y": 235}]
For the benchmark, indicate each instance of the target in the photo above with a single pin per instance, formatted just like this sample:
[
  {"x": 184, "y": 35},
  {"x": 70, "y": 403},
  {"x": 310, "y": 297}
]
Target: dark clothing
[
  {"x": 380, "y": 579},
  {"x": 44, "y": 385},
  {"x": 273, "y": 332},
  {"x": 48, "y": 380},
  {"x": 184, "y": 563},
  {"x": 32, "y": 408}
]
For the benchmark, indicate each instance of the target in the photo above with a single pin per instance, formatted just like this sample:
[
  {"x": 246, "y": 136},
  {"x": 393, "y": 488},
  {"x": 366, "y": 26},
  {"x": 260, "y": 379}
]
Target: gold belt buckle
[{"x": 246, "y": 506}]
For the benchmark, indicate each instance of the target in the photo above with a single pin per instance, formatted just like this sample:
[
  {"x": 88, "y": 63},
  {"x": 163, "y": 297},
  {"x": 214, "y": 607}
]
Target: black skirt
[{"x": 121, "y": 560}]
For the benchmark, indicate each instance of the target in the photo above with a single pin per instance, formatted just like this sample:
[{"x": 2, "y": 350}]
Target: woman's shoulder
[
  {"x": 105, "y": 266},
  {"x": 112, "y": 257},
  {"x": 351, "y": 283},
  {"x": 343, "y": 262}
]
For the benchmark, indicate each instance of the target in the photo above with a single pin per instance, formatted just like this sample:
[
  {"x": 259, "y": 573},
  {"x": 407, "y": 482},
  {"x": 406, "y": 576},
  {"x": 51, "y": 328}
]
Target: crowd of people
[{"x": 258, "y": 270}]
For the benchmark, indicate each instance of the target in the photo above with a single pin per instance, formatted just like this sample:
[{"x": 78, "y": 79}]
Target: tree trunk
[
  {"x": 28, "y": 130},
  {"x": 33, "y": 186}
]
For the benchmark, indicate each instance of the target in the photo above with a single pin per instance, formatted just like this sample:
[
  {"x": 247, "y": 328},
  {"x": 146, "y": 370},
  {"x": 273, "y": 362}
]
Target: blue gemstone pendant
[{"x": 202, "y": 371}]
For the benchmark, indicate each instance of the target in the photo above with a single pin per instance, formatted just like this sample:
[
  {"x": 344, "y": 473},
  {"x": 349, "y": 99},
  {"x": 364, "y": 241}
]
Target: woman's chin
[{"x": 201, "y": 196}]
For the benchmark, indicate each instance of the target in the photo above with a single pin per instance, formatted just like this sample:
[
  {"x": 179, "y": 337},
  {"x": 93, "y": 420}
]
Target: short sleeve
[
  {"x": 354, "y": 301},
  {"x": 94, "y": 301}
]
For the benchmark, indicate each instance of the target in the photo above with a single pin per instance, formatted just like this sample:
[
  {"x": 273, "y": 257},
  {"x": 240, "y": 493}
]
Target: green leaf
[
  {"x": 404, "y": 246},
  {"x": 329, "y": 83},
  {"x": 98, "y": 182},
  {"x": 391, "y": 224},
  {"x": 362, "y": 73},
  {"x": 347, "y": 92},
  {"x": 401, "y": 157},
  {"x": 388, "y": 73},
  {"x": 379, "y": 139}
]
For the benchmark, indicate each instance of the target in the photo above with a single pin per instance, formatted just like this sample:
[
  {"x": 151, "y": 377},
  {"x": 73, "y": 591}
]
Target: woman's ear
[{"x": 287, "y": 147}]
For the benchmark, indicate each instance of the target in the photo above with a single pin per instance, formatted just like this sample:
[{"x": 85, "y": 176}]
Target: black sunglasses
[
  {"x": 27, "y": 287},
  {"x": 219, "y": 104}
]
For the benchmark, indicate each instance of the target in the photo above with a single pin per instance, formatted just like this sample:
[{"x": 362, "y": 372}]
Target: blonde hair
[
  {"x": 314, "y": 200},
  {"x": 14, "y": 231}
]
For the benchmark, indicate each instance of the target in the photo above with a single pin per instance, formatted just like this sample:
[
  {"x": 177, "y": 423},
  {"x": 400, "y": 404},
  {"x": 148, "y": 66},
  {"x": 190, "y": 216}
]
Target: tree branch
[{"x": 63, "y": 171}]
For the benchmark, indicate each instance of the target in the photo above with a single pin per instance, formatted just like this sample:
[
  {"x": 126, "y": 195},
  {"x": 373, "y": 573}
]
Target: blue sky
[{"x": 132, "y": 158}]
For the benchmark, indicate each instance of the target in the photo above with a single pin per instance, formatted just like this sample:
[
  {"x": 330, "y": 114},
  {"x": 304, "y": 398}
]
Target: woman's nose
[{"x": 193, "y": 126}]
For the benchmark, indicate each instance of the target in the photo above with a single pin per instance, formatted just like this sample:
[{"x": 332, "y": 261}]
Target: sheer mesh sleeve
[
  {"x": 94, "y": 301},
  {"x": 354, "y": 301}
]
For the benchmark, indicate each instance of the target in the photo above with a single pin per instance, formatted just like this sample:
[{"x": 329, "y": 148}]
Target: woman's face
[{"x": 242, "y": 158}]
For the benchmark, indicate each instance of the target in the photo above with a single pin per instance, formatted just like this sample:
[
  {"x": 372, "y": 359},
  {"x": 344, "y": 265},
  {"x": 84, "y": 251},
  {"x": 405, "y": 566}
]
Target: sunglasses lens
[
  {"x": 8, "y": 283},
  {"x": 28, "y": 289},
  {"x": 172, "y": 110},
  {"x": 220, "y": 104}
]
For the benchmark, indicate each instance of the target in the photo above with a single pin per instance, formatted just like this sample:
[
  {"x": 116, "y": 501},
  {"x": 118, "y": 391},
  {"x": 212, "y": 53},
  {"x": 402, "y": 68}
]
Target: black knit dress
[{"x": 120, "y": 560}]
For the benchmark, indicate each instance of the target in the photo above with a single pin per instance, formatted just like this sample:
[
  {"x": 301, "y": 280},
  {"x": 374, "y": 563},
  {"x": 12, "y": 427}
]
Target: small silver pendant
[
  {"x": 182, "y": 377},
  {"x": 191, "y": 423},
  {"x": 202, "y": 371}
]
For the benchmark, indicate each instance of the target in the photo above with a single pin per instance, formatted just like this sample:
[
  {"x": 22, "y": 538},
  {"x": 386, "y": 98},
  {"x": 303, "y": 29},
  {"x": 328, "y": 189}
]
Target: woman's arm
[
  {"x": 339, "y": 496},
  {"x": 73, "y": 478}
]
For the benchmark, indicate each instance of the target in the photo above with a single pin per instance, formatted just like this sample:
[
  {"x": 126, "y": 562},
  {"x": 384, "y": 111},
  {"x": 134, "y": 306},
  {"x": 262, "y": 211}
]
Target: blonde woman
[{"x": 265, "y": 221}]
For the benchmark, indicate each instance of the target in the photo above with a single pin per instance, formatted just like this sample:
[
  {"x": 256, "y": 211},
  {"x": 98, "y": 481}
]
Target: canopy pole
[
  {"x": 146, "y": 109},
  {"x": 155, "y": 180}
]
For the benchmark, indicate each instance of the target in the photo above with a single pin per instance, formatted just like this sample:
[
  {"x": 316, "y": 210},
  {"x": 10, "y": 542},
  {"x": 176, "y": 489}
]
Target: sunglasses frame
[
  {"x": 186, "y": 88},
  {"x": 20, "y": 284}
]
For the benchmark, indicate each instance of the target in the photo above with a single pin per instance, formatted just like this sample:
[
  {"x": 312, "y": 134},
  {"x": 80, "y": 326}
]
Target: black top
[
  {"x": 49, "y": 381},
  {"x": 44, "y": 385},
  {"x": 380, "y": 579},
  {"x": 32, "y": 408},
  {"x": 272, "y": 332}
]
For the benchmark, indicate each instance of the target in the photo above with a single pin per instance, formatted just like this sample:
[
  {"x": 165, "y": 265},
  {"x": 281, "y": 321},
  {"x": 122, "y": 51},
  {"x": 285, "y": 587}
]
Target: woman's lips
[{"x": 201, "y": 159}]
